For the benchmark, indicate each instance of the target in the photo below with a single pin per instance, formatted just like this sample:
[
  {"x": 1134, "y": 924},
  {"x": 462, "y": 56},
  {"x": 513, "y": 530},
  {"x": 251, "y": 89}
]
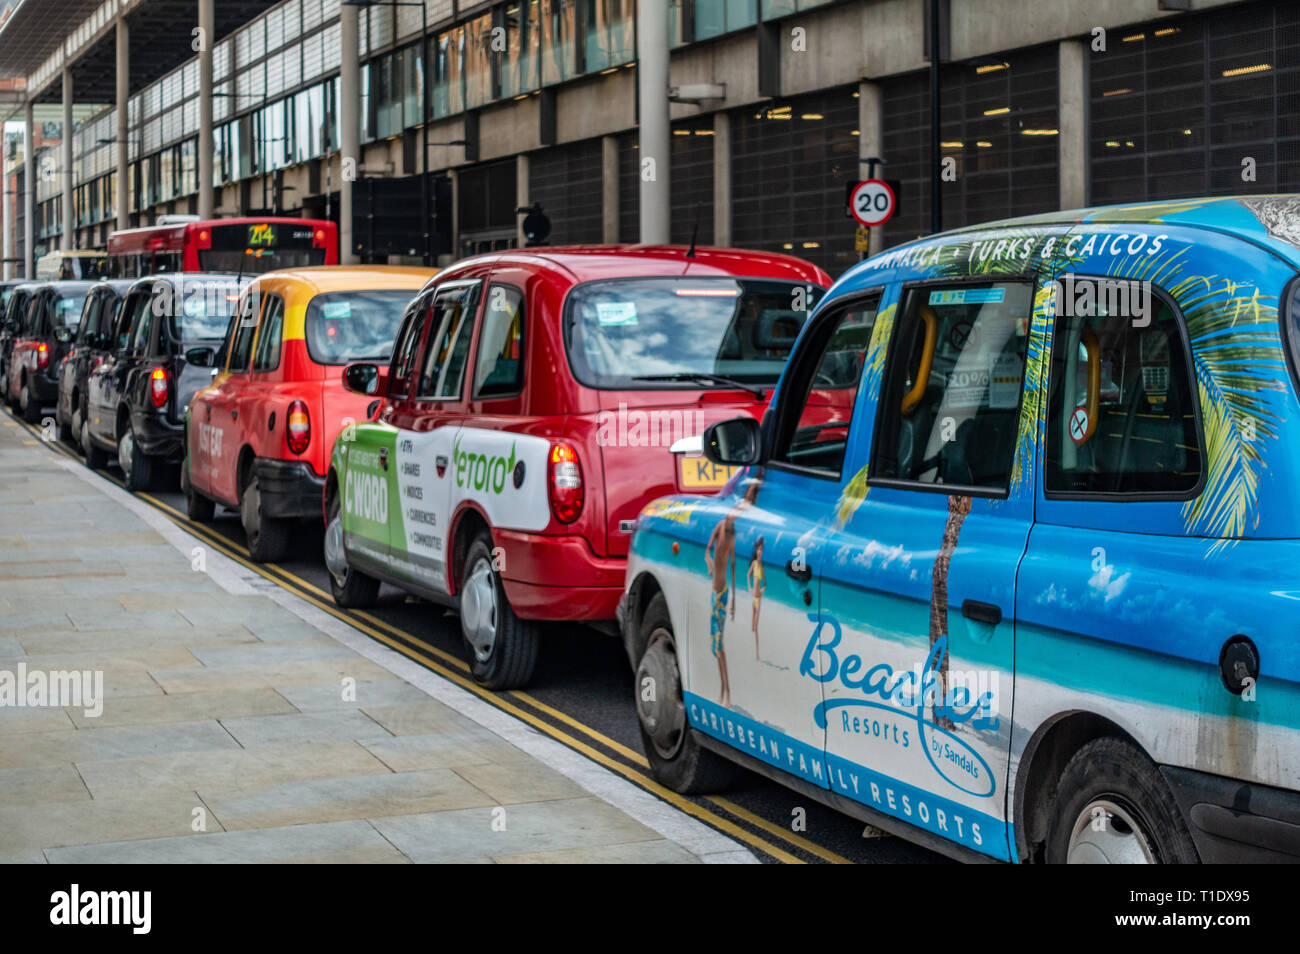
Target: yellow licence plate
[{"x": 699, "y": 473}]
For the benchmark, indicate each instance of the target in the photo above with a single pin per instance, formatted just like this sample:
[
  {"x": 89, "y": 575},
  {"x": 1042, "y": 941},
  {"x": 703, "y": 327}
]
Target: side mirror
[
  {"x": 363, "y": 378},
  {"x": 63, "y": 335},
  {"x": 734, "y": 443},
  {"x": 200, "y": 357}
]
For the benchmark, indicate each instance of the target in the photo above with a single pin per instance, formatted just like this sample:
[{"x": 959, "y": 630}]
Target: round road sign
[
  {"x": 872, "y": 202},
  {"x": 1079, "y": 425}
]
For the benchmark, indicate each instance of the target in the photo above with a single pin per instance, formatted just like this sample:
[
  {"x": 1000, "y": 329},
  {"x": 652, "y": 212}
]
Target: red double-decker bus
[{"x": 248, "y": 245}]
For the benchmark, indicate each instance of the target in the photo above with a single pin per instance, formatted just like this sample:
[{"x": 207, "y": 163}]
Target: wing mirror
[
  {"x": 63, "y": 335},
  {"x": 364, "y": 378},
  {"x": 200, "y": 357},
  {"x": 734, "y": 443}
]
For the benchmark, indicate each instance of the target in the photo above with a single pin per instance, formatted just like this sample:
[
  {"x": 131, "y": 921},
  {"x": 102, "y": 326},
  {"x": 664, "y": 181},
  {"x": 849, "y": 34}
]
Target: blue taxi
[{"x": 1009, "y": 567}]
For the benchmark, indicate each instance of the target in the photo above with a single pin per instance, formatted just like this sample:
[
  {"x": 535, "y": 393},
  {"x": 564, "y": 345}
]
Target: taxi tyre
[
  {"x": 93, "y": 457},
  {"x": 357, "y": 590},
  {"x": 30, "y": 407},
  {"x": 137, "y": 466},
  {"x": 512, "y": 658},
  {"x": 268, "y": 538},
  {"x": 198, "y": 508},
  {"x": 689, "y": 768},
  {"x": 74, "y": 428},
  {"x": 1115, "y": 776}
]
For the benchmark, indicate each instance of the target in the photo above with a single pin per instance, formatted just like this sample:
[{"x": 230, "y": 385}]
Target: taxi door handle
[
  {"x": 802, "y": 574},
  {"x": 234, "y": 415},
  {"x": 981, "y": 612}
]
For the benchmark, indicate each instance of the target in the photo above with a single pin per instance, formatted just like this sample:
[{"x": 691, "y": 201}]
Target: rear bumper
[
  {"x": 44, "y": 389},
  {"x": 290, "y": 488},
  {"x": 559, "y": 578},
  {"x": 1233, "y": 821}
]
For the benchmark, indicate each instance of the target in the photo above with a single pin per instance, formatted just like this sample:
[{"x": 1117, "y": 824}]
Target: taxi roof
[
  {"x": 583, "y": 263},
  {"x": 329, "y": 278}
]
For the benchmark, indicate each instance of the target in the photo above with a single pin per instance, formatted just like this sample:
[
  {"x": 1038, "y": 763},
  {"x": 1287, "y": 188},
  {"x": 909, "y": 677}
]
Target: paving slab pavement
[{"x": 237, "y": 723}]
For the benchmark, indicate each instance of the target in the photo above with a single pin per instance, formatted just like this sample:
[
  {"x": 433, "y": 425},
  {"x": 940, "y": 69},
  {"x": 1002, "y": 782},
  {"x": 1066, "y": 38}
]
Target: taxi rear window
[
  {"x": 351, "y": 326},
  {"x": 197, "y": 309},
  {"x": 67, "y": 309},
  {"x": 665, "y": 332}
]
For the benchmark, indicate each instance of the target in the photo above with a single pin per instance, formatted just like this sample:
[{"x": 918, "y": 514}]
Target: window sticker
[
  {"x": 337, "y": 309},
  {"x": 966, "y": 389},
  {"x": 616, "y": 312},
  {"x": 967, "y": 296},
  {"x": 1004, "y": 384}
]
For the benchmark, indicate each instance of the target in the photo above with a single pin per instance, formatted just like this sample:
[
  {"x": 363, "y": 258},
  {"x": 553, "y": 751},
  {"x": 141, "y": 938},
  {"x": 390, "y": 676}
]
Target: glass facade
[{"x": 1177, "y": 108}]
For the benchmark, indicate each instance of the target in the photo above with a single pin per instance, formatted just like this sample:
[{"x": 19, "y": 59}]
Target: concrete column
[
  {"x": 870, "y": 143},
  {"x": 68, "y": 180},
  {"x": 722, "y": 180},
  {"x": 30, "y": 176},
  {"x": 609, "y": 210},
  {"x": 349, "y": 125},
  {"x": 652, "y": 89},
  {"x": 206, "y": 148},
  {"x": 1073, "y": 124},
  {"x": 123, "y": 142},
  {"x": 521, "y": 195}
]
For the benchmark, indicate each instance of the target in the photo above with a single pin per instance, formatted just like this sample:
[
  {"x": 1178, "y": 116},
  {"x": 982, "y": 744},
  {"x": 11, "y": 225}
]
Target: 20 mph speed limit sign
[{"x": 872, "y": 202}]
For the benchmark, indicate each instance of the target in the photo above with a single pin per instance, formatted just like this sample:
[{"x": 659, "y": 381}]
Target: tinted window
[
  {"x": 242, "y": 347},
  {"x": 354, "y": 325},
  {"x": 65, "y": 308},
  {"x": 267, "y": 357},
  {"x": 500, "y": 368},
  {"x": 407, "y": 348},
  {"x": 447, "y": 351},
  {"x": 89, "y": 327},
  {"x": 129, "y": 315},
  {"x": 820, "y": 436},
  {"x": 1122, "y": 406},
  {"x": 217, "y": 260},
  {"x": 143, "y": 330},
  {"x": 197, "y": 309},
  {"x": 622, "y": 334},
  {"x": 950, "y": 409}
]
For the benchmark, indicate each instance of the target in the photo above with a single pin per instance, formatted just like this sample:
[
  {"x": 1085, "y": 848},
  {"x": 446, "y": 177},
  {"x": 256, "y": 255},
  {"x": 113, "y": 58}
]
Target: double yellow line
[{"x": 456, "y": 670}]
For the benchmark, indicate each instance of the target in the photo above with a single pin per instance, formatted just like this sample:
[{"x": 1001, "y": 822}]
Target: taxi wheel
[
  {"x": 268, "y": 538},
  {"x": 137, "y": 467},
  {"x": 95, "y": 458},
  {"x": 30, "y": 408},
  {"x": 350, "y": 588},
  {"x": 502, "y": 647},
  {"x": 1112, "y": 807},
  {"x": 198, "y": 508},
  {"x": 74, "y": 429},
  {"x": 676, "y": 759}
]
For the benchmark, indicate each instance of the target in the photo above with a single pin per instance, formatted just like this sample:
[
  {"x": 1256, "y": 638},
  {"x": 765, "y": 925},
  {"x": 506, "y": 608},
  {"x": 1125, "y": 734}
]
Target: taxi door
[
  {"x": 746, "y": 677},
  {"x": 919, "y": 598},
  {"x": 215, "y": 415}
]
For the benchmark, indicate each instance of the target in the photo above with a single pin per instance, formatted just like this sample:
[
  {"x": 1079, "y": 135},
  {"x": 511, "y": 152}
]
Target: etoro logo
[
  {"x": 367, "y": 497},
  {"x": 482, "y": 471}
]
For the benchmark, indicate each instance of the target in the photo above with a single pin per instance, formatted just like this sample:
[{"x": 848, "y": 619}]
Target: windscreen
[
  {"x": 355, "y": 325},
  {"x": 197, "y": 309},
  {"x": 654, "y": 332}
]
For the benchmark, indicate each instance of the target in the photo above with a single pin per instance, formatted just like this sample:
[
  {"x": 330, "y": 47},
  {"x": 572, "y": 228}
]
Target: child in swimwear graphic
[
  {"x": 757, "y": 586},
  {"x": 720, "y": 557}
]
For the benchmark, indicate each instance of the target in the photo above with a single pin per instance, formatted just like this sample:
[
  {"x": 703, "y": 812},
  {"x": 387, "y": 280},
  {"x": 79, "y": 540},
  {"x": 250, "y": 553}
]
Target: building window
[
  {"x": 521, "y": 60},
  {"x": 692, "y": 182},
  {"x": 559, "y": 28},
  {"x": 609, "y": 37},
  {"x": 566, "y": 180},
  {"x": 716, "y": 17}
]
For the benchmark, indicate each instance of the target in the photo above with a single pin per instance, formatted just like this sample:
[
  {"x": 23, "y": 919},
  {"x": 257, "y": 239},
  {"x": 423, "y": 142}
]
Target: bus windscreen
[{"x": 253, "y": 248}]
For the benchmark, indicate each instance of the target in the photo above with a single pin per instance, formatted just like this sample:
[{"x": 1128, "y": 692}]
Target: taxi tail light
[
  {"x": 297, "y": 432},
  {"x": 565, "y": 483},
  {"x": 42, "y": 356},
  {"x": 158, "y": 387}
]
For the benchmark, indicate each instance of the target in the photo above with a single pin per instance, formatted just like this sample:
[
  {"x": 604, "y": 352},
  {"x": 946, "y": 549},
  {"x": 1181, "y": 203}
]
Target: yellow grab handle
[
  {"x": 913, "y": 397},
  {"x": 1093, "y": 348}
]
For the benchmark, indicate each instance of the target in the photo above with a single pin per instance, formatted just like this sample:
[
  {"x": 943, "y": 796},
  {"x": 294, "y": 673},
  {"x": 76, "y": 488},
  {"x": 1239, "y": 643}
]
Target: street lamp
[{"x": 424, "y": 132}]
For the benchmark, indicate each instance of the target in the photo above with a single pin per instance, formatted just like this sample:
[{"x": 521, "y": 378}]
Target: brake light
[
  {"x": 297, "y": 433},
  {"x": 565, "y": 483},
  {"x": 158, "y": 386},
  {"x": 42, "y": 356}
]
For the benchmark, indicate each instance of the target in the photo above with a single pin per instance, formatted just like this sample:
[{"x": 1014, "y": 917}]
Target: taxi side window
[
  {"x": 447, "y": 351},
  {"x": 1122, "y": 405},
  {"x": 407, "y": 348},
  {"x": 241, "y": 346},
  {"x": 500, "y": 366},
  {"x": 143, "y": 328},
  {"x": 950, "y": 405},
  {"x": 90, "y": 319},
  {"x": 267, "y": 357},
  {"x": 33, "y": 317},
  {"x": 129, "y": 315},
  {"x": 817, "y": 440}
]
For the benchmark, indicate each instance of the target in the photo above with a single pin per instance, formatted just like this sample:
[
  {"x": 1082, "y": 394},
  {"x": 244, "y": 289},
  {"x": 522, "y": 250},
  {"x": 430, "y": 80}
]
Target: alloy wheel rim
[
  {"x": 1108, "y": 832},
  {"x": 660, "y": 706},
  {"x": 335, "y": 562},
  {"x": 478, "y": 610}
]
